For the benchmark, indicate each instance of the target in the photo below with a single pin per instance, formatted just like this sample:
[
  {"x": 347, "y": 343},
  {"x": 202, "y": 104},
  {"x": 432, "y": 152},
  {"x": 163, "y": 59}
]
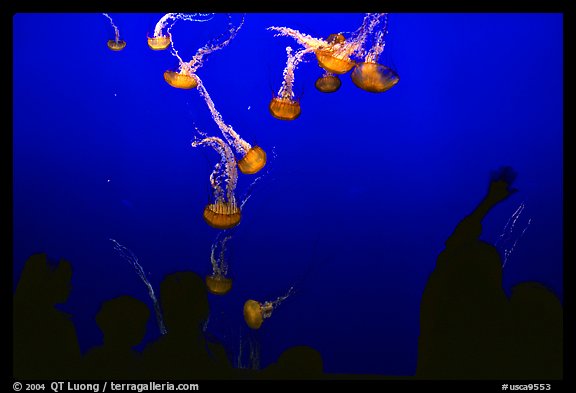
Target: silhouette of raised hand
[{"x": 500, "y": 186}]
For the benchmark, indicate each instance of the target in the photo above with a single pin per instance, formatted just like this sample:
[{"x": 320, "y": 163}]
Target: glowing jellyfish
[
  {"x": 284, "y": 106},
  {"x": 253, "y": 157},
  {"x": 180, "y": 80},
  {"x": 116, "y": 44},
  {"x": 224, "y": 212},
  {"x": 255, "y": 312},
  {"x": 371, "y": 76},
  {"x": 218, "y": 283},
  {"x": 161, "y": 41},
  {"x": 375, "y": 78},
  {"x": 328, "y": 83},
  {"x": 331, "y": 61},
  {"x": 335, "y": 53},
  {"x": 185, "y": 77}
]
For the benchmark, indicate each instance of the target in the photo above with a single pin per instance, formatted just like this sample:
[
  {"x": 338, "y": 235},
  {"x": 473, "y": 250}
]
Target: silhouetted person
[
  {"x": 123, "y": 323},
  {"x": 299, "y": 362},
  {"x": 467, "y": 325},
  {"x": 183, "y": 352},
  {"x": 45, "y": 341},
  {"x": 536, "y": 333}
]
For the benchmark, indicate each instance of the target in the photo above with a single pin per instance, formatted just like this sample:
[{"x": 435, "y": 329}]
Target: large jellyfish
[
  {"x": 218, "y": 282},
  {"x": 255, "y": 312},
  {"x": 328, "y": 83},
  {"x": 161, "y": 41},
  {"x": 224, "y": 212},
  {"x": 371, "y": 76},
  {"x": 334, "y": 54},
  {"x": 284, "y": 106},
  {"x": 253, "y": 157},
  {"x": 116, "y": 44},
  {"x": 184, "y": 78}
]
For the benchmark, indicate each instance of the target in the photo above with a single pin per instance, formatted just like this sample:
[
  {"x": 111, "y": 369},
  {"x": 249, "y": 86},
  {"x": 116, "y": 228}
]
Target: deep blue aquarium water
[{"x": 362, "y": 189}]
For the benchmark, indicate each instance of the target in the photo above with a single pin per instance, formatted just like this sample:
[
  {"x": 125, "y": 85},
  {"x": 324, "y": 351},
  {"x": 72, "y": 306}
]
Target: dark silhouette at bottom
[{"x": 469, "y": 329}]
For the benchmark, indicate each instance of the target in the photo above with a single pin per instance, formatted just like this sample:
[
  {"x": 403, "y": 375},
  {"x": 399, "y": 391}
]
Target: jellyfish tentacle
[
  {"x": 116, "y": 44},
  {"x": 231, "y": 136},
  {"x": 116, "y": 31},
  {"x": 129, "y": 256},
  {"x": 214, "y": 46},
  {"x": 224, "y": 213}
]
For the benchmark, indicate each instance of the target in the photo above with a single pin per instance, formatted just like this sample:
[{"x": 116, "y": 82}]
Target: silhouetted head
[
  {"x": 123, "y": 321},
  {"x": 46, "y": 283},
  {"x": 299, "y": 361},
  {"x": 485, "y": 264},
  {"x": 533, "y": 298},
  {"x": 184, "y": 301}
]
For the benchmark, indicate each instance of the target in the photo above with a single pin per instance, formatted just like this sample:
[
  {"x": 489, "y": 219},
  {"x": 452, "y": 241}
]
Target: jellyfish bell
[
  {"x": 179, "y": 80},
  {"x": 116, "y": 45},
  {"x": 374, "y": 77},
  {"x": 222, "y": 215},
  {"x": 253, "y": 161},
  {"x": 284, "y": 108},
  {"x": 255, "y": 313},
  {"x": 335, "y": 38},
  {"x": 159, "y": 43},
  {"x": 331, "y": 63},
  {"x": 328, "y": 83},
  {"x": 217, "y": 284}
]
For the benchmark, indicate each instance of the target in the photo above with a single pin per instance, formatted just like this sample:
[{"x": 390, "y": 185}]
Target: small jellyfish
[
  {"x": 328, "y": 83},
  {"x": 335, "y": 53},
  {"x": 116, "y": 44},
  {"x": 284, "y": 106},
  {"x": 185, "y": 77},
  {"x": 255, "y": 312},
  {"x": 161, "y": 41},
  {"x": 335, "y": 38},
  {"x": 218, "y": 283},
  {"x": 180, "y": 80},
  {"x": 253, "y": 157},
  {"x": 253, "y": 161},
  {"x": 223, "y": 213}
]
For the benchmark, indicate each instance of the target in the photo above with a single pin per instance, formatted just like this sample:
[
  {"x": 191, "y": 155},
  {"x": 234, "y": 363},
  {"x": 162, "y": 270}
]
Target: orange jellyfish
[
  {"x": 185, "y": 77},
  {"x": 255, "y": 312},
  {"x": 161, "y": 41},
  {"x": 116, "y": 44},
  {"x": 371, "y": 76},
  {"x": 334, "y": 54},
  {"x": 328, "y": 83},
  {"x": 224, "y": 212},
  {"x": 284, "y": 106},
  {"x": 333, "y": 61},
  {"x": 253, "y": 157},
  {"x": 218, "y": 283}
]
